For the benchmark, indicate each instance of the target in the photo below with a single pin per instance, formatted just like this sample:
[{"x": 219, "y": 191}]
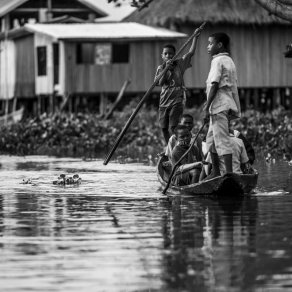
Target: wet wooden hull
[{"x": 229, "y": 184}]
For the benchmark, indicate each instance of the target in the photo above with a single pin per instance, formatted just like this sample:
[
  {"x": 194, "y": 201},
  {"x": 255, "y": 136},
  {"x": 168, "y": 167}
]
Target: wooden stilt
[
  {"x": 256, "y": 98},
  {"x": 6, "y": 110},
  {"x": 14, "y": 104},
  {"x": 102, "y": 104},
  {"x": 51, "y": 103},
  {"x": 76, "y": 103},
  {"x": 248, "y": 93},
  {"x": 70, "y": 103},
  {"x": 35, "y": 106},
  {"x": 119, "y": 98},
  {"x": 289, "y": 93},
  {"x": 39, "y": 106}
]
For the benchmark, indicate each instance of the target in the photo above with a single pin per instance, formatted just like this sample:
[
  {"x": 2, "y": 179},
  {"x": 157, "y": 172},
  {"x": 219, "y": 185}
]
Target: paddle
[
  {"x": 127, "y": 125},
  {"x": 183, "y": 156}
]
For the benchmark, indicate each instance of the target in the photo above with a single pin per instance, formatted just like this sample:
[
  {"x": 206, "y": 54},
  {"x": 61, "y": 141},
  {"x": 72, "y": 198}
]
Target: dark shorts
[{"x": 170, "y": 116}]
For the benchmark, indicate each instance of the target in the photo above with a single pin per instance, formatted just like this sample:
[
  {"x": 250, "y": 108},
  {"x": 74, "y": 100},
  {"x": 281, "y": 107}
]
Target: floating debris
[
  {"x": 63, "y": 179},
  {"x": 26, "y": 181}
]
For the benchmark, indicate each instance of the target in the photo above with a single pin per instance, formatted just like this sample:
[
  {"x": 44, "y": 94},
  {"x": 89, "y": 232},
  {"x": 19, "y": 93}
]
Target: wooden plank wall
[
  {"x": 45, "y": 84},
  {"x": 7, "y": 69},
  {"x": 144, "y": 59},
  {"x": 257, "y": 52},
  {"x": 25, "y": 67}
]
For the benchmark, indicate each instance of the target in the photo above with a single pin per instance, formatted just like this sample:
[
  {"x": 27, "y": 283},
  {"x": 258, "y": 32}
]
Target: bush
[
  {"x": 267, "y": 132},
  {"x": 83, "y": 135},
  {"x": 86, "y": 135}
]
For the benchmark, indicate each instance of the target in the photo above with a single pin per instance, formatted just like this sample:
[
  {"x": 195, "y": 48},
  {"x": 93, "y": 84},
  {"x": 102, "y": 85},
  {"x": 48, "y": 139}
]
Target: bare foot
[{"x": 211, "y": 175}]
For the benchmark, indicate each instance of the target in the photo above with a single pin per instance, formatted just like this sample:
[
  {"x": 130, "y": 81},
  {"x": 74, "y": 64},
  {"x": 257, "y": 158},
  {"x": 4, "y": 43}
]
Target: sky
[{"x": 115, "y": 13}]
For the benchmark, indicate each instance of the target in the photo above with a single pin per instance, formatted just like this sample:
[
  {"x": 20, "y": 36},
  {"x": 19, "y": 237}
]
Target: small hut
[
  {"x": 257, "y": 42},
  {"x": 83, "y": 61}
]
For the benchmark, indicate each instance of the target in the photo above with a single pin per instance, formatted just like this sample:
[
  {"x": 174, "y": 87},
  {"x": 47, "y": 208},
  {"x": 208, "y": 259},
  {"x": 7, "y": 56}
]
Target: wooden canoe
[{"x": 230, "y": 184}]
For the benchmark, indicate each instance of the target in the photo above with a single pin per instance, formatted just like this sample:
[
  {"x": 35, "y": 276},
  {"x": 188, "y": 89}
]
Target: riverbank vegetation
[{"x": 89, "y": 136}]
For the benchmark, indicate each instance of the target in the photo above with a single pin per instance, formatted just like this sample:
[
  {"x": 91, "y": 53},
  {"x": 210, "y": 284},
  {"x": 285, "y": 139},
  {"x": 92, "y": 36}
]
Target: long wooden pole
[
  {"x": 183, "y": 156},
  {"x": 127, "y": 125}
]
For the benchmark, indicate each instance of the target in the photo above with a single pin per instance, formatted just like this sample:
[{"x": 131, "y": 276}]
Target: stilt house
[
  {"x": 16, "y": 13},
  {"x": 258, "y": 42},
  {"x": 82, "y": 60}
]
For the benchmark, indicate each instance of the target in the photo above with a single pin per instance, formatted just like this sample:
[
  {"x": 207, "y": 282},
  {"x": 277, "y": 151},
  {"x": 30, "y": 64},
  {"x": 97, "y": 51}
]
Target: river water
[{"x": 117, "y": 232}]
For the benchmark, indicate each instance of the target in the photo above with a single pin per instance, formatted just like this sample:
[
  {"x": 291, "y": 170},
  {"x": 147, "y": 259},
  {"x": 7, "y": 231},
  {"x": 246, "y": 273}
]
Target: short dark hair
[
  {"x": 180, "y": 128},
  {"x": 222, "y": 37},
  {"x": 185, "y": 116},
  {"x": 170, "y": 46}
]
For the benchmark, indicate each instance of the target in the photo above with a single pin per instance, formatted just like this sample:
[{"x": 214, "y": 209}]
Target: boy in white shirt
[{"x": 222, "y": 102}]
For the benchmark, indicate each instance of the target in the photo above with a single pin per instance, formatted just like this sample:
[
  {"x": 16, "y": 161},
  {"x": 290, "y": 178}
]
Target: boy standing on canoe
[
  {"x": 172, "y": 94},
  {"x": 222, "y": 102}
]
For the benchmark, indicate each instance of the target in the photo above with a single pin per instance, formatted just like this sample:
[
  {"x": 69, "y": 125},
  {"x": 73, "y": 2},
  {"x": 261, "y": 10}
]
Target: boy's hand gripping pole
[
  {"x": 182, "y": 157},
  {"x": 128, "y": 123}
]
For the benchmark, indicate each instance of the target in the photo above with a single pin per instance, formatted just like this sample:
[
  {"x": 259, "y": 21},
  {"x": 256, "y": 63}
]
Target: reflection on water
[{"x": 117, "y": 232}]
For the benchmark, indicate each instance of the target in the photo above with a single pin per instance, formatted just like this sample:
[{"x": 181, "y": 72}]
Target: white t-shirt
[{"x": 223, "y": 72}]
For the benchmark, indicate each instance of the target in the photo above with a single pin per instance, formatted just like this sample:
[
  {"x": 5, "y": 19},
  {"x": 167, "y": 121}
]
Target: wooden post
[
  {"x": 6, "y": 109},
  {"x": 76, "y": 103},
  {"x": 256, "y": 98},
  {"x": 51, "y": 103},
  {"x": 119, "y": 98},
  {"x": 289, "y": 93},
  {"x": 70, "y": 103},
  {"x": 102, "y": 104},
  {"x": 248, "y": 92},
  {"x": 14, "y": 104},
  {"x": 276, "y": 98},
  {"x": 36, "y": 106},
  {"x": 39, "y": 106},
  {"x": 65, "y": 100}
]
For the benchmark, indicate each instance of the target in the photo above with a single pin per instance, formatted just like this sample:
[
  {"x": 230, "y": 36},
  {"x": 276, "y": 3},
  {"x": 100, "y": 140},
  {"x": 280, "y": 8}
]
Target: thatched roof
[{"x": 168, "y": 12}]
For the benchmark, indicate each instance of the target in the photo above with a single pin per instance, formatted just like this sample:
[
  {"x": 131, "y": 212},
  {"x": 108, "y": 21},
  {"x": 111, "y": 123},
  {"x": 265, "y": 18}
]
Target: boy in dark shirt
[
  {"x": 187, "y": 120},
  {"x": 172, "y": 94},
  {"x": 190, "y": 167}
]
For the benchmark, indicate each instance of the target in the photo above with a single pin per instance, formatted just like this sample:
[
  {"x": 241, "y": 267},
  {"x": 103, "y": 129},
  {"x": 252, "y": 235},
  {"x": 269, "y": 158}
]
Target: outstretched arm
[{"x": 194, "y": 42}]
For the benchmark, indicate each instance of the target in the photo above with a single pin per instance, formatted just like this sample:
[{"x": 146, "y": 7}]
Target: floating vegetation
[
  {"x": 88, "y": 136},
  {"x": 64, "y": 180},
  {"x": 26, "y": 181}
]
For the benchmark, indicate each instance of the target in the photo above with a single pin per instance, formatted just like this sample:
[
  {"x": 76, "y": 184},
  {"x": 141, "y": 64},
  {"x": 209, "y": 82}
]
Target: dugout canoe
[{"x": 230, "y": 184}]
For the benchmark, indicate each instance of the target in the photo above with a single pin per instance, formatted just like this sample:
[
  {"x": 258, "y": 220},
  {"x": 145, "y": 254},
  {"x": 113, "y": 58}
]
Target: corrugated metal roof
[
  {"x": 104, "y": 31},
  {"x": 9, "y": 5}
]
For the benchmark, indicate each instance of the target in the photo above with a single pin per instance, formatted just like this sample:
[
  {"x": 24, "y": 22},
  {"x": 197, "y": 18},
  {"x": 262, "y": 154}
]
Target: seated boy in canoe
[
  {"x": 190, "y": 167},
  {"x": 248, "y": 147},
  {"x": 240, "y": 159},
  {"x": 188, "y": 121}
]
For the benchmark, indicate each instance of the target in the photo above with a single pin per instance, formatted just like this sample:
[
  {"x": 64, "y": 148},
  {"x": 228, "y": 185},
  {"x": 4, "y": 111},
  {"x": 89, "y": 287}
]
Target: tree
[
  {"x": 280, "y": 8},
  {"x": 140, "y": 4}
]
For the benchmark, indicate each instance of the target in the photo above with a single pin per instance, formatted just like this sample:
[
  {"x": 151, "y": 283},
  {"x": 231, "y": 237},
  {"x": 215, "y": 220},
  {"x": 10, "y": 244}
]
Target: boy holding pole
[{"x": 172, "y": 94}]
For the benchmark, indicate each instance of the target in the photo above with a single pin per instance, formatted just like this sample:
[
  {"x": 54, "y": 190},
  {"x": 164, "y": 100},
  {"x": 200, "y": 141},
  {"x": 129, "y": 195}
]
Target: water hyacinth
[{"x": 87, "y": 135}]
